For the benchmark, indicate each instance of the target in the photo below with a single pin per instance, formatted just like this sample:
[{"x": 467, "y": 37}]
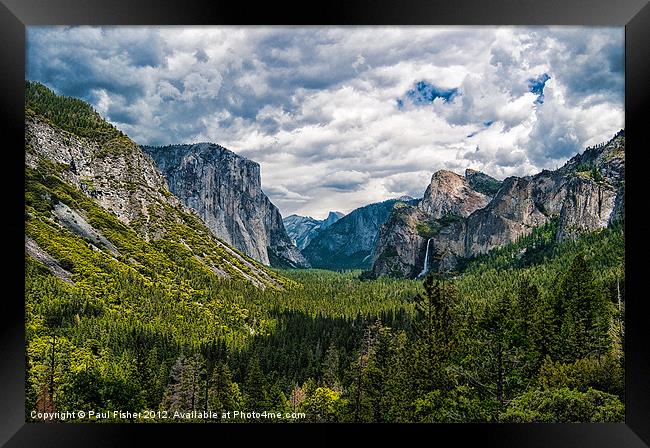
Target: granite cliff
[
  {"x": 225, "y": 191},
  {"x": 87, "y": 181}
]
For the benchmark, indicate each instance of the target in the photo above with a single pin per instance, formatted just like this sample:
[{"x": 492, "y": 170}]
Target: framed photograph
[{"x": 375, "y": 216}]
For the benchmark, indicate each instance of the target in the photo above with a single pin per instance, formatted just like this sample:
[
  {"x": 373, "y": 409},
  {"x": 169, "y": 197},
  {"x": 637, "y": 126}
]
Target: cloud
[
  {"x": 339, "y": 117},
  {"x": 345, "y": 180}
]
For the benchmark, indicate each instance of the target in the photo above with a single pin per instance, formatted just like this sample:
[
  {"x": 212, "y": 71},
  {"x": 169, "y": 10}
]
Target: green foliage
[
  {"x": 459, "y": 405},
  {"x": 322, "y": 405},
  {"x": 564, "y": 405},
  {"x": 432, "y": 228},
  {"x": 530, "y": 249},
  {"x": 225, "y": 394},
  {"x": 450, "y": 218},
  {"x": 434, "y": 328},
  {"x": 485, "y": 184},
  {"x": 255, "y": 392},
  {"x": 604, "y": 373},
  {"x": 427, "y": 229},
  {"x": 582, "y": 312},
  {"x": 528, "y": 332},
  {"x": 525, "y": 333},
  {"x": 590, "y": 171},
  {"x": 70, "y": 114},
  {"x": 461, "y": 351}
]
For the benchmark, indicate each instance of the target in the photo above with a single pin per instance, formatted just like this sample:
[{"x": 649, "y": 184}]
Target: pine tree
[
  {"x": 585, "y": 313},
  {"x": 224, "y": 393},
  {"x": 434, "y": 334},
  {"x": 255, "y": 389}
]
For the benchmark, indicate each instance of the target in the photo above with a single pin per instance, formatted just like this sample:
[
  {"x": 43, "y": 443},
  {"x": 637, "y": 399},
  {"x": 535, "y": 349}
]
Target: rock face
[
  {"x": 450, "y": 194},
  {"x": 332, "y": 217},
  {"x": 225, "y": 191},
  {"x": 587, "y": 193},
  {"x": 402, "y": 244},
  {"x": 124, "y": 181},
  {"x": 302, "y": 229},
  {"x": 350, "y": 241}
]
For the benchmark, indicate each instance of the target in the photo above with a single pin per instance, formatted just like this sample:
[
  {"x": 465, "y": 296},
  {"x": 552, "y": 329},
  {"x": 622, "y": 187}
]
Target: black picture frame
[{"x": 15, "y": 15}]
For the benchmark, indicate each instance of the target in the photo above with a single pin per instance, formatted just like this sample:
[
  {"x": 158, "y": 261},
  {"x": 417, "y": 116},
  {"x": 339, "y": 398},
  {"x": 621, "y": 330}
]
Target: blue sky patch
[
  {"x": 425, "y": 93},
  {"x": 536, "y": 86}
]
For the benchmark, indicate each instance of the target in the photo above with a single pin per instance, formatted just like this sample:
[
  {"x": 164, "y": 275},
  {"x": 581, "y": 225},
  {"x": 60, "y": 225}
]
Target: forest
[{"x": 521, "y": 335}]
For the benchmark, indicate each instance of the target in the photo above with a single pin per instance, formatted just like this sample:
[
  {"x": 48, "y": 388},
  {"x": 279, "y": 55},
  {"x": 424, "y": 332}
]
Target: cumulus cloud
[{"x": 339, "y": 117}]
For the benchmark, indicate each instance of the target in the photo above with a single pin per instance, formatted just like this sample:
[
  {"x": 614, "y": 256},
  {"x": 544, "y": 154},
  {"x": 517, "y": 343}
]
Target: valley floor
[{"x": 532, "y": 332}]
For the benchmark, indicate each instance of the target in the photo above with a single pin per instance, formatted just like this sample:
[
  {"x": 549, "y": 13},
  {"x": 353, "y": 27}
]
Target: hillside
[
  {"x": 132, "y": 303},
  {"x": 109, "y": 176},
  {"x": 110, "y": 252}
]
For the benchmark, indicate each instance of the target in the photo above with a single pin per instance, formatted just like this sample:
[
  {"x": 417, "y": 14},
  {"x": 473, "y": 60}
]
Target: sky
[{"x": 340, "y": 117}]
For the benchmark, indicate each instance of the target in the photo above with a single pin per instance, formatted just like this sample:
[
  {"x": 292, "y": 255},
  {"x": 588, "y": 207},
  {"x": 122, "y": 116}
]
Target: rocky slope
[
  {"x": 349, "y": 242},
  {"x": 302, "y": 229},
  {"x": 116, "y": 174},
  {"x": 587, "y": 193},
  {"x": 225, "y": 190},
  {"x": 87, "y": 180}
]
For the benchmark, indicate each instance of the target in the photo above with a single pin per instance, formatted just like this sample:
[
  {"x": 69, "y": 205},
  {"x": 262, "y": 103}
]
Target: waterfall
[{"x": 426, "y": 260}]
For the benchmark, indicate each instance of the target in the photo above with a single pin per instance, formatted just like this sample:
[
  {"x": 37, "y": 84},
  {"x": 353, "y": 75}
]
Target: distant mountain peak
[
  {"x": 332, "y": 217},
  {"x": 445, "y": 174},
  {"x": 349, "y": 242}
]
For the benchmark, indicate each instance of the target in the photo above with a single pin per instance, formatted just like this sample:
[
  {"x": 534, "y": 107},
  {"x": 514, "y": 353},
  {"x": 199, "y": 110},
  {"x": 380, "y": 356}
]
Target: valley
[{"x": 164, "y": 278}]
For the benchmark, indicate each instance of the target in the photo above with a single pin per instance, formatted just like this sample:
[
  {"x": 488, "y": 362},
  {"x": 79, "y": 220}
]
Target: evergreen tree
[
  {"x": 434, "y": 334},
  {"x": 322, "y": 405},
  {"x": 224, "y": 393},
  {"x": 584, "y": 313},
  {"x": 255, "y": 389}
]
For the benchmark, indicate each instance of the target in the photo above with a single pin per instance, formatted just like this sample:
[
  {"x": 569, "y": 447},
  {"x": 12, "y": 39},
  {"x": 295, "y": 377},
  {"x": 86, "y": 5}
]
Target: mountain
[
  {"x": 302, "y": 229},
  {"x": 97, "y": 207},
  {"x": 482, "y": 183},
  {"x": 332, "y": 217},
  {"x": 349, "y": 242},
  {"x": 225, "y": 191},
  {"x": 401, "y": 244},
  {"x": 460, "y": 218}
]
